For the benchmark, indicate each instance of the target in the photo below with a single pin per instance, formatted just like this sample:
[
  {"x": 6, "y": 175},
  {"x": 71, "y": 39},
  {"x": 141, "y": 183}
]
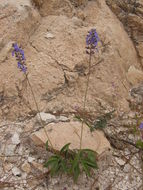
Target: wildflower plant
[
  {"x": 18, "y": 52},
  {"x": 92, "y": 40},
  {"x": 76, "y": 161},
  {"x": 71, "y": 162}
]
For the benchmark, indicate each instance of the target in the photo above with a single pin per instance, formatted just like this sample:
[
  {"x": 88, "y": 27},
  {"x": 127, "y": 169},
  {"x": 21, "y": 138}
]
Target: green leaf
[
  {"x": 54, "y": 157},
  {"x": 64, "y": 166},
  {"x": 139, "y": 144},
  {"x": 47, "y": 145},
  {"x": 75, "y": 170},
  {"x": 76, "y": 173},
  {"x": 52, "y": 160},
  {"x": 134, "y": 129},
  {"x": 65, "y": 148},
  {"x": 89, "y": 150},
  {"x": 76, "y": 160},
  {"x": 55, "y": 169},
  {"x": 91, "y": 164},
  {"x": 85, "y": 168},
  {"x": 91, "y": 155},
  {"x": 100, "y": 123}
]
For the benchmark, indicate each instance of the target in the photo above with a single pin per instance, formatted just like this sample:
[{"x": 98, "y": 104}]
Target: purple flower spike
[
  {"x": 141, "y": 126},
  {"x": 92, "y": 40},
  {"x": 19, "y": 54},
  {"x": 16, "y": 48},
  {"x": 13, "y": 53}
]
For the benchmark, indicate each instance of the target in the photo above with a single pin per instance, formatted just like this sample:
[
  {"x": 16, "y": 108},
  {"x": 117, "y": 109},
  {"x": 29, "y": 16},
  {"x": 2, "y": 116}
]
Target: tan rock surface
[
  {"x": 134, "y": 76},
  {"x": 130, "y": 13},
  {"x": 58, "y": 65},
  {"x": 58, "y": 7},
  {"x": 63, "y": 133},
  {"x": 18, "y": 20}
]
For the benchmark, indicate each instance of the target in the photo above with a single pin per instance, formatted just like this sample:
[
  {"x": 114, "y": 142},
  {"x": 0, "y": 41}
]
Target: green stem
[
  {"x": 85, "y": 96},
  {"x": 38, "y": 110}
]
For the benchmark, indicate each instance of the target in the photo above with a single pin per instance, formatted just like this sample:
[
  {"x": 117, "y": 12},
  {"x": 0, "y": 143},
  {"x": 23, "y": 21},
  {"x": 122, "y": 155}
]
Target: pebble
[
  {"x": 120, "y": 161},
  {"x": 49, "y": 35},
  {"x": 16, "y": 171},
  {"x": 30, "y": 159},
  {"x": 46, "y": 117},
  {"x": 15, "y": 139}
]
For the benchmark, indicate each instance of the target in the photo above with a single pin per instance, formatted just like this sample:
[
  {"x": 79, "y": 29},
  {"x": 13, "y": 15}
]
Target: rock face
[
  {"x": 130, "y": 13},
  {"x": 54, "y": 48},
  {"x": 48, "y": 7},
  {"x": 134, "y": 76},
  {"x": 59, "y": 136},
  {"x": 18, "y": 20}
]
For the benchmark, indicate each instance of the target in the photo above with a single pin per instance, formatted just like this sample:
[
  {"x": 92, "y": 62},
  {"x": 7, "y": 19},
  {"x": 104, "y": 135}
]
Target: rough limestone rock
[
  {"x": 63, "y": 133},
  {"x": 58, "y": 65},
  {"x": 18, "y": 21},
  {"x": 130, "y": 13},
  {"x": 49, "y": 118},
  {"x": 134, "y": 76}
]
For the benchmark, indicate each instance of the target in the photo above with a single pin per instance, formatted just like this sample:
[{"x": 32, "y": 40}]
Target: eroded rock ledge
[{"x": 54, "y": 48}]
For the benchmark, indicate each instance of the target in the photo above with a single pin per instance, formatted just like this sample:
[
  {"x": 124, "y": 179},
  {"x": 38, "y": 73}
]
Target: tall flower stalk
[
  {"x": 92, "y": 40},
  {"x": 21, "y": 64}
]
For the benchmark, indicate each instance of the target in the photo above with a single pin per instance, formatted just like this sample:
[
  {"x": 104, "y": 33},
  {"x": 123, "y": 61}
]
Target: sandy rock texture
[
  {"x": 52, "y": 34},
  {"x": 21, "y": 163},
  {"x": 130, "y": 13},
  {"x": 58, "y": 133}
]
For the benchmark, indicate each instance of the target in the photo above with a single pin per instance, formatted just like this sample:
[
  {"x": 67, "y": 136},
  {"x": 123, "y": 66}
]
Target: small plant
[
  {"x": 99, "y": 123},
  {"x": 73, "y": 163},
  {"x": 59, "y": 162},
  {"x": 139, "y": 144},
  {"x": 138, "y": 131},
  {"x": 84, "y": 160}
]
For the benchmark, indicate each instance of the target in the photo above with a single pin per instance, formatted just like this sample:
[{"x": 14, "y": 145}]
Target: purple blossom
[
  {"x": 141, "y": 126},
  {"x": 19, "y": 54},
  {"x": 92, "y": 40}
]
